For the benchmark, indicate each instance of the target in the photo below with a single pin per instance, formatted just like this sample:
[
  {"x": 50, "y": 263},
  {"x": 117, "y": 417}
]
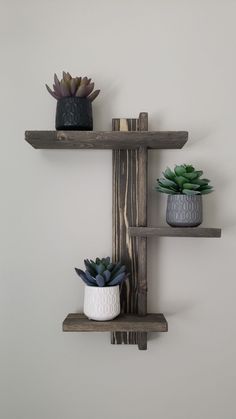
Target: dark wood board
[
  {"x": 129, "y": 207},
  {"x": 78, "y": 322},
  {"x": 97, "y": 140},
  {"x": 174, "y": 232}
]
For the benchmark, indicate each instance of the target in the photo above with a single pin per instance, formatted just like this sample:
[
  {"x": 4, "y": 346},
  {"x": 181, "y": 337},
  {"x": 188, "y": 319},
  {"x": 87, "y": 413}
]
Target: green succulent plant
[
  {"x": 184, "y": 179},
  {"x": 102, "y": 273},
  {"x": 73, "y": 87}
]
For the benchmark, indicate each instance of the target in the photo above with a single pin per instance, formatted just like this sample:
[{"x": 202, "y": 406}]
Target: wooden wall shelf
[
  {"x": 113, "y": 140},
  {"x": 78, "y": 322},
  {"x": 174, "y": 232},
  {"x": 129, "y": 141}
]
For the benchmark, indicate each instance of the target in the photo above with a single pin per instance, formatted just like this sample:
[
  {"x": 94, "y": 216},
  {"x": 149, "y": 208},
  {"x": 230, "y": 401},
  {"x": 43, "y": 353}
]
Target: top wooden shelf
[{"x": 106, "y": 139}]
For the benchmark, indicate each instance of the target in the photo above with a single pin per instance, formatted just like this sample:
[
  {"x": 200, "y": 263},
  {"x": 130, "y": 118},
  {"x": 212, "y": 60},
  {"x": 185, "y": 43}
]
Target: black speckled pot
[
  {"x": 74, "y": 113},
  {"x": 184, "y": 210}
]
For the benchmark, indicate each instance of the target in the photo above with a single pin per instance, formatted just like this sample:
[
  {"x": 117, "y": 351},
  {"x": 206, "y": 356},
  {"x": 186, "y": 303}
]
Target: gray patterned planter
[{"x": 184, "y": 210}]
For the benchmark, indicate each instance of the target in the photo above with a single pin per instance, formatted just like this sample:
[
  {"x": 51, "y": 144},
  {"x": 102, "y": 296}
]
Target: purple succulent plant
[{"x": 73, "y": 87}]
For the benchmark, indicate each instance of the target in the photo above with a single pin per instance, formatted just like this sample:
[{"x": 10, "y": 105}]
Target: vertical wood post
[{"x": 130, "y": 209}]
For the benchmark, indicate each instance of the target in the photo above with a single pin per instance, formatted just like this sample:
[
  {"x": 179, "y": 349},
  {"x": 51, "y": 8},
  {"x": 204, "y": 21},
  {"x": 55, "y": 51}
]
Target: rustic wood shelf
[
  {"x": 129, "y": 141},
  {"x": 78, "y": 322},
  {"x": 115, "y": 140},
  {"x": 174, "y": 232}
]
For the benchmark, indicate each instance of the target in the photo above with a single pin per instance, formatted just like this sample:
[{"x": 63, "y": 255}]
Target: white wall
[{"x": 176, "y": 60}]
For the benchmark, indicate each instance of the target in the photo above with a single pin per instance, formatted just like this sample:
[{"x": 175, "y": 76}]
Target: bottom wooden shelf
[{"x": 78, "y": 322}]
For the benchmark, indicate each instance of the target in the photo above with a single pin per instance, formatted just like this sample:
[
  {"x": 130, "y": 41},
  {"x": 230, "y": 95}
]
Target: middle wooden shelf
[{"x": 174, "y": 232}]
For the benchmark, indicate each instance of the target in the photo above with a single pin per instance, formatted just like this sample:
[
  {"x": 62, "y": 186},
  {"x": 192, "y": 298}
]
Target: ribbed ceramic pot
[
  {"x": 74, "y": 113},
  {"x": 102, "y": 303},
  {"x": 184, "y": 210}
]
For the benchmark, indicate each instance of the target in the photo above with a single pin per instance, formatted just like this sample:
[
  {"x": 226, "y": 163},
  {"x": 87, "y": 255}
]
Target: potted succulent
[
  {"x": 185, "y": 187},
  {"x": 74, "y": 97},
  {"x": 102, "y": 292}
]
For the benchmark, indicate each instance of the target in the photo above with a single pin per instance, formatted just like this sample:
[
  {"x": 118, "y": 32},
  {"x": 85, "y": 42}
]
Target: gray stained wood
[
  {"x": 129, "y": 208},
  {"x": 78, "y": 322},
  {"x": 174, "y": 232},
  {"x": 115, "y": 140}
]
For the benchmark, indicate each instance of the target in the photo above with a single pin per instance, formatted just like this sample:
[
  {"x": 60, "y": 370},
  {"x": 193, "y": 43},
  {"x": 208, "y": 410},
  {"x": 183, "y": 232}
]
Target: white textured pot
[{"x": 101, "y": 303}]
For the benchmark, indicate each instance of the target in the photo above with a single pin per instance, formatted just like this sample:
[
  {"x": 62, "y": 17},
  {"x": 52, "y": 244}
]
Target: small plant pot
[
  {"x": 184, "y": 210},
  {"x": 74, "y": 113},
  {"x": 102, "y": 303}
]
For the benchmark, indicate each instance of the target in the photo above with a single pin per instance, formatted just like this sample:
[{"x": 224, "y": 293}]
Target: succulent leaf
[
  {"x": 81, "y": 91},
  {"x": 107, "y": 260},
  {"x": 89, "y": 267},
  {"x": 206, "y": 191},
  {"x": 199, "y": 173},
  {"x": 100, "y": 268},
  {"x": 180, "y": 180},
  {"x": 53, "y": 94},
  {"x": 65, "y": 89},
  {"x": 93, "y": 95},
  {"x": 116, "y": 268},
  {"x": 89, "y": 88},
  {"x": 191, "y": 175},
  {"x": 66, "y": 76},
  {"x": 180, "y": 170},
  {"x": 57, "y": 90},
  {"x": 168, "y": 182},
  {"x": 100, "y": 280},
  {"x": 107, "y": 275},
  {"x": 190, "y": 186},
  {"x": 190, "y": 192},
  {"x": 84, "y": 81},
  {"x": 165, "y": 190},
  {"x": 90, "y": 277},
  {"x": 83, "y": 276},
  {"x": 188, "y": 168},
  {"x": 201, "y": 182},
  {"x": 169, "y": 174},
  {"x": 56, "y": 80},
  {"x": 73, "y": 86},
  {"x": 78, "y": 81},
  {"x": 117, "y": 280}
]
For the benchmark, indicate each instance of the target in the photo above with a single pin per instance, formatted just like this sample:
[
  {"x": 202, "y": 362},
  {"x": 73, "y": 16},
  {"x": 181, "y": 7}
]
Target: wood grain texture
[
  {"x": 174, "y": 232},
  {"x": 129, "y": 206},
  {"x": 78, "y": 322},
  {"x": 142, "y": 221},
  {"x": 115, "y": 140}
]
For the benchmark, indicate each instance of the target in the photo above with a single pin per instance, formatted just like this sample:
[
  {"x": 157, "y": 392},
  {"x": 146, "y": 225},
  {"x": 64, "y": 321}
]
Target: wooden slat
[
  {"x": 124, "y": 214},
  {"x": 130, "y": 205},
  {"x": 77, "y": 322},
  {"x": 174, "y": 232},
  {"x": 142, "y": 166},
  {"x": 115, "y": 140}
]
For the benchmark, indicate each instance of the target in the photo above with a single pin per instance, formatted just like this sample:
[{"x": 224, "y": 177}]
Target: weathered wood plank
[
  {"x": 116, "y": 140},
  {"x": 129, "y": 204},
  {"x": 124, "y": 214},
  {"x": 174, "y": 232},
  {"x": 78, "y": 322},
  {"x": 142, "y": 221}
]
